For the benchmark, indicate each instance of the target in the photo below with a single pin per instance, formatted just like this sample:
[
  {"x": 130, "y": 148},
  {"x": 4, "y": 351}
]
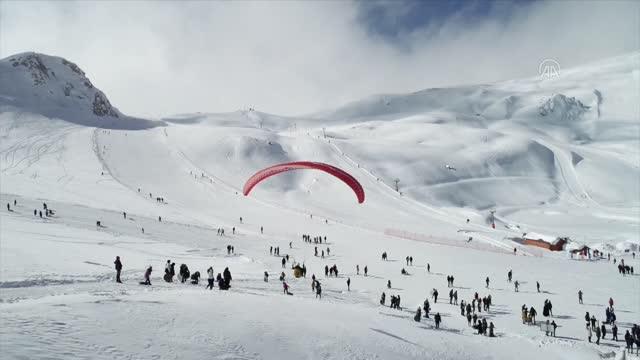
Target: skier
[
  {"x": 603, "y": 329},
  {"x": 210, "y": 278},
  {"x": 597, "y": 330},
  {"x": 509, "y": 275},
  {"x": 365, "y": 270},
  {"x": 614, "y": 332},
  {"x": 240, "y": 219},
  {"x": 491, "y": 327},
  {"x": 285, "y": 287},
  {"x": 517, "y": 284},
  {"x": 434, "y": 293},
  {"x": 261, "y": 230},
  {"x": 357, "y": 269},
  {"x": 124, "y": 214},
  {"x": 348, "y": 284},
  {"x": 233, "y": 232},
  {"x": 554, "y": 326},
  {"x": 428, "y": 267},
  {"x": 579, "y": 296},
  {"x": 437, "y": 319},
  {"x": 382, "y": 298},
  {"x": 487, "y": 281},
  {"x": 538, "y": 286},
  {"x": 388, "y": 284},
  {"x": 318, "y": 290},
  {"x": 118, "y": 265},
  {"x": 589, "y": 332},
  {"x": 266, "y": 276},
  {"x": 418, "y": 315},
  {"x": 284, "y": 261}
]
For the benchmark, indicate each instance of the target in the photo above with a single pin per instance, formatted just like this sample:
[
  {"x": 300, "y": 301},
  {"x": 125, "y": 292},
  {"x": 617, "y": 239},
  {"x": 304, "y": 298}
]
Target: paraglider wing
[{"x": 332, "y": 170}]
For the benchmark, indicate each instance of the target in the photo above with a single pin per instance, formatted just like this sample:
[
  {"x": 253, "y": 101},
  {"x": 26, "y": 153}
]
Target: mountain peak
[{"x": 57, "y": 84}]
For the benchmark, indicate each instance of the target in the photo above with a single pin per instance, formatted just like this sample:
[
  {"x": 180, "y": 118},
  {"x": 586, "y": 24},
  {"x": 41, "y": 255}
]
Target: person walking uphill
[{"x": 118, "y": 265}]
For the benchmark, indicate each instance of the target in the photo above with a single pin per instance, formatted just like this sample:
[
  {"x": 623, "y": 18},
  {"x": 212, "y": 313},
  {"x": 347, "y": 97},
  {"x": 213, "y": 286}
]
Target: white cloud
[{"x": 160, "y": 58}]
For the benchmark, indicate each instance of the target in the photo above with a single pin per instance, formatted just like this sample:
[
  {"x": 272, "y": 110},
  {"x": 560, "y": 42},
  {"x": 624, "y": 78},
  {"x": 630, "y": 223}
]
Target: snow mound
[{"x": 57, "y": 88}]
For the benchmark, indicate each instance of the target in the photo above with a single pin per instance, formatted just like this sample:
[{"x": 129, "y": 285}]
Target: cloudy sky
[{"x": 159, "y": 58}]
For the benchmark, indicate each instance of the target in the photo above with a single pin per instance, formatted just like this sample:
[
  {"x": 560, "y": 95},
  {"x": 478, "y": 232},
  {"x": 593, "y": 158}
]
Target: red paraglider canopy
[{"x": 332, "y": 170}]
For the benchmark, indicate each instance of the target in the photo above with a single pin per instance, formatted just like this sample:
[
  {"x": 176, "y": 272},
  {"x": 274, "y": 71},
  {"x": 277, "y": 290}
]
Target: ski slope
[{"x": 547, "y": 156}]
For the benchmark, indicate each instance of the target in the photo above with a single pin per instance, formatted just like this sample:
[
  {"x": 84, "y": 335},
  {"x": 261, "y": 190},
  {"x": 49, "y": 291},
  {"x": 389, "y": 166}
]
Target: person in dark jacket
[
  {"x": 118, "y": 265},
  {"x": 629, "y": 340},
  {"x": 614, "y": 332},
  {"x": 227, "y": 277},
  {"x": 437, "y": 319},
  {"x": 195, "y": 278},
  {"x": 147, "y": 276}
]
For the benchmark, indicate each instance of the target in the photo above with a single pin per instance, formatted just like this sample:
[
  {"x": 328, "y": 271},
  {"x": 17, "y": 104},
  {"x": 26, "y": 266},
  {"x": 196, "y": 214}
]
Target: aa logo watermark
[{"x": 549, "y": 69}]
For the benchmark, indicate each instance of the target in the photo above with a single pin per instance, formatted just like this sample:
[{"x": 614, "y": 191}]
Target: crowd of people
[{"x": 470, "y": 310}]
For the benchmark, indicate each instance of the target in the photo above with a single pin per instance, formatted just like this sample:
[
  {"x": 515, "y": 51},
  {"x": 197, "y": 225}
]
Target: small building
[
  {"x": 582, "y": 250},
  {"x": 544, "y": 241}
]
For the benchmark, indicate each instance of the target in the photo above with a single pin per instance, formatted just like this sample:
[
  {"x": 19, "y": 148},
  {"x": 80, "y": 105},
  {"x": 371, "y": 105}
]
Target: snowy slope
[{"x": 547, "y": 156}]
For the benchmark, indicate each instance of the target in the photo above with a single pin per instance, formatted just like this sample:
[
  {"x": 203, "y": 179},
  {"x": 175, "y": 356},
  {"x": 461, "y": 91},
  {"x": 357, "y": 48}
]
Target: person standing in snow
[
  {"x": 434, "y": 293},
  {"x": 210, "y": 278},
  {"x": 118, "y": 265},
  {"x": 487, "y": 281},
  {"x": 418, "y": 315},
  {"x": 517, "y": 284},
  {"x": 261, "y": 230},
  {"x": 614, "y": 332},
  {"x": 348, "y": 284},
  {"x": 538, "y": 286},
  {"x": 597, "y": 331},
  {"x": 437, "y": 319},
  {"x": 579, "y": 296},
  {"x": 365, "y": 270},
  {"x": 227, "y": 277},
  {"x": 510, "y": 275},
  {"x": 427, "y": 308},
  {"x": 589, "y": 332}
]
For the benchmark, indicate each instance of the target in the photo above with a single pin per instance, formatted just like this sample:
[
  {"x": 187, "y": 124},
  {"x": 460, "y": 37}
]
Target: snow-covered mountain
[
  {"x": 57, "y": 88},
  {"x": 557, "y": 157}
]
